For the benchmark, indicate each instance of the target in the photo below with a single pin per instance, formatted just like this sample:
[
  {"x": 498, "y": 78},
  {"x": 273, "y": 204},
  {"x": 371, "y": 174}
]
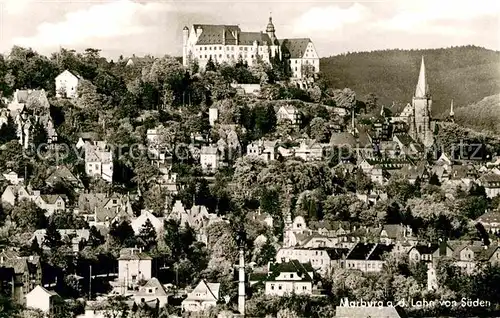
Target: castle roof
[
  {"x": 295, "y": 47},
  {"x": 213, "y": 33}
]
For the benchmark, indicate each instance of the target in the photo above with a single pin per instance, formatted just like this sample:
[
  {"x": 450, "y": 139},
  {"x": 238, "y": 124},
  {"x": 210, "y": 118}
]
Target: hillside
[
  {"x": 482, "y": 116},
  {"x": 466, "y": 74}
]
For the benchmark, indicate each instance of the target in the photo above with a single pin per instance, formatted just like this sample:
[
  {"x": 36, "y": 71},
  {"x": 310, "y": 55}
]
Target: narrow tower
[
  {"x": 452, "y": 113},
  {"x": 422, "y": 105},
  {"x": 241, "y": 284},
  {"x": 185, "y": 53}
]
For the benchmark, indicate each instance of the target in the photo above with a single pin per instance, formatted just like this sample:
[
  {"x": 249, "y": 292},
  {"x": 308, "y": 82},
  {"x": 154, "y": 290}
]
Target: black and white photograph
[{"x": 257, "y": 159}]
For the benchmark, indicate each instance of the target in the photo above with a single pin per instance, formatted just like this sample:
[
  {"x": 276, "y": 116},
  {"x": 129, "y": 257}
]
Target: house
[
  {"x": 42, "y": 299},
  {"x": 66, "y": 84},
  {"x": 99, "y": 160},
  {"x": 62, "y": 175},
  {"x": 289, "y": 277},
  {"x": 491, "y": 183},
  {"x": 133, "y": 266},
  {"x": 14, "y": 194},
  {"x": 209, "y": 158},
  {"x": 28, "y": 98},
  {"x": 309, "y": 151},
  {"x": 13, "y": 178},
  {"x": 23, "y": 274},
  {"x": 469, "y": 254},
  {"x": 139, "y": 222},
  {"x": 152, "y": 291},
  {"x": 321, "y": 259},
  {"x": 86, "y": 137},
  {"x": 391, "y": 233},
  {"x": 264, "y": 149},
  {"x": 203, "y": 296},
  {"x": 51, "y": 203},
  {"x": 289, "y": 114},
  {"x": 423, "y": 253},
  {"x": 491, "y": 221},
  {"x": 367, "y": 257},
  {"x": 103, "y": 209}
]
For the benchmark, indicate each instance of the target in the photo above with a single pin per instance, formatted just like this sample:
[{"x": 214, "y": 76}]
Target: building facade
[{"x": 228, "y": 43}]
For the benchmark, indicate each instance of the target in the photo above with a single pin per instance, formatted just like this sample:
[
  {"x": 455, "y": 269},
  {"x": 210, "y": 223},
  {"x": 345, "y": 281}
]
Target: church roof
[
  {"x": 422, "y": 87},
  {"x": 295, "y": 47}
]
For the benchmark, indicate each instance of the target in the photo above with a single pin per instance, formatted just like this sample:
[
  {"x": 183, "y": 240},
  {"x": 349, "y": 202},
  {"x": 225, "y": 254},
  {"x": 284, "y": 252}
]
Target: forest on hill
[
  {"x": 482, "y": 116},
  {"x": 465, "y": 74}
]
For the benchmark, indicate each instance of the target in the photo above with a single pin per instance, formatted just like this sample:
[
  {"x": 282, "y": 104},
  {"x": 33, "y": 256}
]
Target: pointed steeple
[{"x": 422, "y": 87}]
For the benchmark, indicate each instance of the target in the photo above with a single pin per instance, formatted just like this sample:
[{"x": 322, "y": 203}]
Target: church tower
[
  {"x": 271, "y": 32},
  {"x": 422, "y": 105}
]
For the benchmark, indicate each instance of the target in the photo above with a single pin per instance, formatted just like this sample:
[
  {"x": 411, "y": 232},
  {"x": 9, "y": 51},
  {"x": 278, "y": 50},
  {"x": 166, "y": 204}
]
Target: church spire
[{"x": 422, "y": 88}]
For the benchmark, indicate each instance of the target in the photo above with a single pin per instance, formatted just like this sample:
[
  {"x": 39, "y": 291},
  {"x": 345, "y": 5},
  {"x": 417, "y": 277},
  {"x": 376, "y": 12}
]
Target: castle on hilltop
[{"x": 228, "y": 43}]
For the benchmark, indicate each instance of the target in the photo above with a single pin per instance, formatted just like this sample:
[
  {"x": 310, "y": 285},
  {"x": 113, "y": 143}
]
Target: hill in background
[
  {"x": 465, "y": 74},
  {"x": 482, "y": 116}
]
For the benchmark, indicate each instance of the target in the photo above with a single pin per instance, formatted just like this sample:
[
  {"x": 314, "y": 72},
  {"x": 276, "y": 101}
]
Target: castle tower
[
  {"x": 185, "y": 53},
  {"x": 422, "y": 105},
  {"x": 271, "y": 32},
  {"x": 241, "y": 284},
  {"x": 452, "y": 113}
]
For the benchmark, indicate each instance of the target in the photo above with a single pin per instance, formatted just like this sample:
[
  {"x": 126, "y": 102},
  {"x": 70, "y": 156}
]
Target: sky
[{"x": 126, "y": 27}]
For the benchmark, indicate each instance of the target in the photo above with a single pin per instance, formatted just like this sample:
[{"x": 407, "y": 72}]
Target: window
[
  {"x": 150, "y": 290},
  {"x": 279, "y": 287},
  {"x": 304, "y": 287},
  {"x": 134, "y": 277},
  {"x": 272, "y": 286},
  {"x": 295, "y": 68},
  {"x": 291, "y": 275}
]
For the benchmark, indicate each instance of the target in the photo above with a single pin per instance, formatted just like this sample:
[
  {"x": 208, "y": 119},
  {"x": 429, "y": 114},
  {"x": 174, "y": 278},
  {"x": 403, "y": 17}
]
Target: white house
[
  {"x": 12, "y": 177},
  {"x": 289, "y": 114},
  {"x": 99, "y": 160},
  {"x": 152, "y": 291},
  {"x": 41, "y": 298},
  {"x": 139, "y": 222},
  {"x": 133, "y": 266},
  {"x": 213, "y": 115},
  {"x": 66, "y": 84},
  {"x": 289, "y": 277},
  {"x": 302, "y": 55},
  {"x": 209, "y": 158},
  {"x": 204, "y": 296}
]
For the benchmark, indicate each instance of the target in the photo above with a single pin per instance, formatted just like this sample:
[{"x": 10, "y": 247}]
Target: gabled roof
[
  {"x": 154, "y": 283},
  {"x": 426, "y": 249},
  {"x": 490, "y": 217},
  {"x": 342, "y": 139},
  {"x": 295, "y": 47},
  {"x": 379, "y": 251},
  {"x": 204, "y": 291},
  {"x": 293, "y": 266},
  {"x": 360, "y": 251}
]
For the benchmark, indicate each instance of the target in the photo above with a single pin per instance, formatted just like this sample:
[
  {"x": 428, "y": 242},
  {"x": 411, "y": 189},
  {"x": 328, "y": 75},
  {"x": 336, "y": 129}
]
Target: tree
[
  {"x": 147, "y": 235},
  {"x": 210, "y": 67},
  {"x": 319, "y": 129},
  {"x": 345, "y": 98},
  {"x": 123, "y": 233},
  {"x": 434, "y": 180},
  {"x": 28, "y": 216},
  {"x": 8, "y": 131},
  {"x": 95, "y": 237},
  {"x": 52, "y": 238},
  {"x": 265, "y": 119}
]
